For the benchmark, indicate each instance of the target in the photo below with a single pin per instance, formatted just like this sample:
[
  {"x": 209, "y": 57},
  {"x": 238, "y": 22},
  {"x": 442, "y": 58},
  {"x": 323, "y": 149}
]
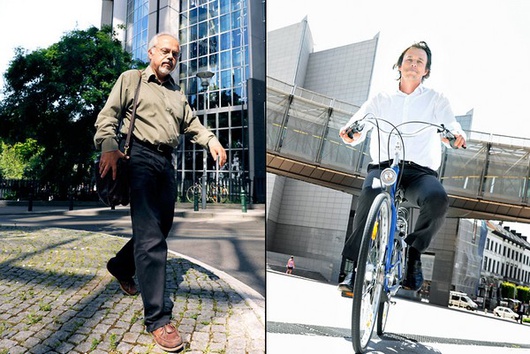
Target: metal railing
[
  {"x": 304, "y": 125},
  {"x": 34, "y": 190}
]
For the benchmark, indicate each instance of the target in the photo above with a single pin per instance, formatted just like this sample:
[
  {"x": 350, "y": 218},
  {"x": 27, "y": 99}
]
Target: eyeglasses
[{"x": 165, "y": 52}]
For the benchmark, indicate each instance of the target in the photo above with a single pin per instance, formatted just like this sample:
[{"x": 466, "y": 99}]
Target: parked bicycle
[
  {"x": 215, "y": 193},
  {"x": 381, "y": 260}
]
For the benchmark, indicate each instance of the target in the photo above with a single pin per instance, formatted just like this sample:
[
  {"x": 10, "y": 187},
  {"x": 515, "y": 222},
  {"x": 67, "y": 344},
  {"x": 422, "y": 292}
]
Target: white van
[{"x": 459, "y": 299}]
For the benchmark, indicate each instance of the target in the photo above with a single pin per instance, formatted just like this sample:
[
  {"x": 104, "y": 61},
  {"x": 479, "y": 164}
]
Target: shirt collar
[
  {"x": 417, "y": 91},
  {"x": 151, "y": 77}
]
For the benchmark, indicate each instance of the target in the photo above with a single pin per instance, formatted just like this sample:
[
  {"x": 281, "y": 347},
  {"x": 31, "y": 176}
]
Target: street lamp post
[{"x": 205, "y": 77}]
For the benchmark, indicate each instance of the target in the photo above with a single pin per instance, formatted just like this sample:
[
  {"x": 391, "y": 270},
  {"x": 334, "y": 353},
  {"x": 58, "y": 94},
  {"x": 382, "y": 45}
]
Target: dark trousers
[
  {"x": 152, "y": 178},
  {"x": 422, "y": 189}
]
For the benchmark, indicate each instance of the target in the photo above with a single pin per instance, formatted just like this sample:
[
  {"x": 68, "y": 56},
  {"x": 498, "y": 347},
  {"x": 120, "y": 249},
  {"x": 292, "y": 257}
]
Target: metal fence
[{"x": 227, "y": 190}]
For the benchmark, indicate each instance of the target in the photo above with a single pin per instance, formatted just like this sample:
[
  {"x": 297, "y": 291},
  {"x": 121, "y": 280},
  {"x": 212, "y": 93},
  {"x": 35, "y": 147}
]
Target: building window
[{"x": 137, "y": 29}]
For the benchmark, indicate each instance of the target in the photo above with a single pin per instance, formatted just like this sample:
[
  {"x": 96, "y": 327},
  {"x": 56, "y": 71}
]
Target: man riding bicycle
[{"x": 411, "y": 102}]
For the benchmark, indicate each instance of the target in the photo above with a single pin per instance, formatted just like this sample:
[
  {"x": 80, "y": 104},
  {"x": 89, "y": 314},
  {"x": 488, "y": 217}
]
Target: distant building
[
  {"x": 344, "y": 73},
  {"x": 466, "y": 120},
  {"x": 303, "y": 219}
]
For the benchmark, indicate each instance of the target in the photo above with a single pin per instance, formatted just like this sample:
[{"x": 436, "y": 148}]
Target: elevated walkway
[{"x": 488, "y": 180}]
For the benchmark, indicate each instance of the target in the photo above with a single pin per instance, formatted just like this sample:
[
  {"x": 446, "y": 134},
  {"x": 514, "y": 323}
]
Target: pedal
[{"x": 347, "y": 294}]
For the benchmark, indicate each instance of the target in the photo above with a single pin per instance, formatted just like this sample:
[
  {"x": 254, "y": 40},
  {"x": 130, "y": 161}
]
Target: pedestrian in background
[
  {"x": 520, "y": 312},
  {"x": 163, "y": 114},
  {"x": 290, "y": 265}
]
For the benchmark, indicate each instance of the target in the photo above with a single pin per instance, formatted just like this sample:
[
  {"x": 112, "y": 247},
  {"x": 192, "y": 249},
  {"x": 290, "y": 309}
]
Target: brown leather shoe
[
  {"x": 128, "y": 286},
  {"x": 168, "y": 338}
]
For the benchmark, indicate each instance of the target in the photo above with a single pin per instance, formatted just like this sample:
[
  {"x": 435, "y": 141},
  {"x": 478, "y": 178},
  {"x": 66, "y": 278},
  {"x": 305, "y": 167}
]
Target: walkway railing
[{"x": 303, "y": 125}]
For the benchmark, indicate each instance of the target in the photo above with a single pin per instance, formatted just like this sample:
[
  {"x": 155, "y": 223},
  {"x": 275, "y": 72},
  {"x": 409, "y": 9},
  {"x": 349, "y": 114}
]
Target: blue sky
[{"x": 33, "y": 24}]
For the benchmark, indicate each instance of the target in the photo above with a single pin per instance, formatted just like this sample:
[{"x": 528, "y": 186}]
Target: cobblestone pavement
[{"x": 56, "y": 296}]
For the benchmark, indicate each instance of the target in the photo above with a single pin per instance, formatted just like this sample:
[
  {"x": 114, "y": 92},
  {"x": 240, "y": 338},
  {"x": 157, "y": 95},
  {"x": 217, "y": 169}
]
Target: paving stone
[
  {"x": 59, "y": 298},
  {"x": 64, "y": 348}
]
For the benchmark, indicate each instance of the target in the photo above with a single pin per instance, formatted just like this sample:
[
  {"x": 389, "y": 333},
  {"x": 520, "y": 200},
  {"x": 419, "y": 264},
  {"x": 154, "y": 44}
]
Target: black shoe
[
  {"x": 414, "y": 277},
  {"x": 347, "y": 283}
]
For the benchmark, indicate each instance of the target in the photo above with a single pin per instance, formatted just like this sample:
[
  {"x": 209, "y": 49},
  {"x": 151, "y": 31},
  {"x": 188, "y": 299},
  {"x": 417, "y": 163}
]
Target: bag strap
[{"x": 133, "y": 118}]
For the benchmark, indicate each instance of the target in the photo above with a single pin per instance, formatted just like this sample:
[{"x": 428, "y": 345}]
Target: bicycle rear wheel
[{"x": 370, "y": 272}]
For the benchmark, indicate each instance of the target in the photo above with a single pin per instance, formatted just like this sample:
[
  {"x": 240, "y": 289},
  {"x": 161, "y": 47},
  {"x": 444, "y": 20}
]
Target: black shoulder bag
[{"x": 114, "y": 192}]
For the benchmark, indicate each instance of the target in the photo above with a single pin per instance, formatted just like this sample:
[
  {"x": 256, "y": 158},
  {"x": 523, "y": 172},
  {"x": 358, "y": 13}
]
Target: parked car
[
  {"x": 505, "y": 312},
  {"x": 461, "y": 300}
]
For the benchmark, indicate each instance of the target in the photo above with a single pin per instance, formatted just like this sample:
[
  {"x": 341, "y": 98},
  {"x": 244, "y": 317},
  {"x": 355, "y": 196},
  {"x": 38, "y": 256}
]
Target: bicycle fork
[{"x": 394, "y": 262}]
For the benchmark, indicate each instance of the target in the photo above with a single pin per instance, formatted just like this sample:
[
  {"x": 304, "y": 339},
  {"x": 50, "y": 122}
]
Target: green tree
[
  {"x": 21, "y": 160},
  {"x": 53, "y": 95},
  {"x": 523, "y": 293},
  {"x": 508, "y": 290}
]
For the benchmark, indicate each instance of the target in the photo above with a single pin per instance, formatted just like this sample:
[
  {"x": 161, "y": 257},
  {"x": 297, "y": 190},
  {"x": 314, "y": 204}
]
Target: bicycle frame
[
  {"x": 390, "y": 264},
  {"x": 381, "y": 259}
]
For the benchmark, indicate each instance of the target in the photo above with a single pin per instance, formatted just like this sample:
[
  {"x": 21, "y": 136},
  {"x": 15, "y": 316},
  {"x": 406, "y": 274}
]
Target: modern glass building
[
  {"x": 222, "y": 72},
  {"x": 314, "y": 179},
  {"x": 307, "y": 220}
]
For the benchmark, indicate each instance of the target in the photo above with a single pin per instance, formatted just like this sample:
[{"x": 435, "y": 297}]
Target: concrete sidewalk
[
  {"x": 310, "y": 317},
  {"x": 184, "y": 210},
  {"x": 56, "y": 295}
]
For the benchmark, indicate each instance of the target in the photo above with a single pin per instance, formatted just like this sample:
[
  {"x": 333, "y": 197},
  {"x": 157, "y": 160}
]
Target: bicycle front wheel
[
  {"x": 382, "y": 316},
  {"x": 370, "y": 272}
]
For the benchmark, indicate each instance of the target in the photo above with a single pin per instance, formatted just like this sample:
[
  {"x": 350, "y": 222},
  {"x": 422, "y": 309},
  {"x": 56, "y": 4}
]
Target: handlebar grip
[
  {"x": 355, "y": 127},
  {"x": 450, "y": 137}
]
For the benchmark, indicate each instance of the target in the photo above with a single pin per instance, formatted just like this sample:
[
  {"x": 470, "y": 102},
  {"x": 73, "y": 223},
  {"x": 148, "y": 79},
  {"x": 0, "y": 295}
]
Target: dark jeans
[
  {"x": 152, "y": 211},
  {"x": 422, "y": 189}
]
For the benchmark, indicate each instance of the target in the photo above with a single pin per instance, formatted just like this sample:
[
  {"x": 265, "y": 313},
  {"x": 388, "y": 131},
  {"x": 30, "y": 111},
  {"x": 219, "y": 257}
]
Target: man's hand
[
  {"x": 458, "y": 143},
  {"x": 109, "y": 161},
  {"x": 218, "y": 152},
  {"x": 344, "y": 135}
]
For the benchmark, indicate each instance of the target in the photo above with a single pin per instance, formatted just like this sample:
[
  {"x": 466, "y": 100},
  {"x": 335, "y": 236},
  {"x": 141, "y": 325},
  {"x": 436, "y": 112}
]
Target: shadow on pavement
[
  {"x": 395, "y": 343},
  {"x": 57, "y": 296}
]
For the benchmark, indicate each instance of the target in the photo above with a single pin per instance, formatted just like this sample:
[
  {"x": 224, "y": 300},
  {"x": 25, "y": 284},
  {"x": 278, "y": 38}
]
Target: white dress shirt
[{"x": 424, "y": 105}]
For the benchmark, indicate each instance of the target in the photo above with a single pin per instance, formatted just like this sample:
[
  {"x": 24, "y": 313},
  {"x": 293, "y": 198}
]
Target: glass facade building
[
  {"x": 225, "y": 41},
  {"x": 214, "y": 38},
  {"x": 137, "y": 28}
]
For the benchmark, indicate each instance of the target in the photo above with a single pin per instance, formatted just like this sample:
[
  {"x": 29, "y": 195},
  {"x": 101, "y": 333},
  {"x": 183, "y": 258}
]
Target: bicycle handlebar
[{"x": 358, "y": 126}]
